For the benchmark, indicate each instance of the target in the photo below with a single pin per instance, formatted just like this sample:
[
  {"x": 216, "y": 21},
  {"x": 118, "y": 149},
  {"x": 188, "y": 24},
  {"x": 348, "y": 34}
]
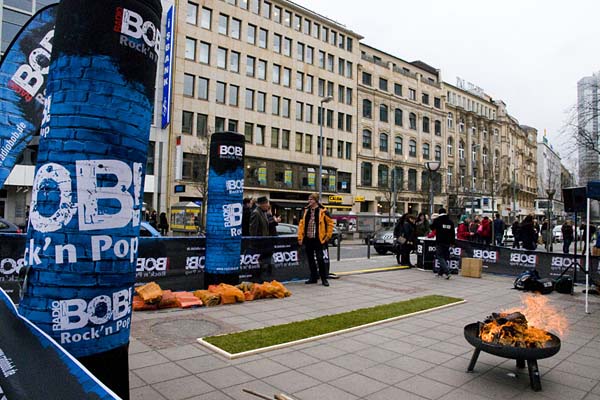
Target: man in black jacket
[{"x": 444, "y": 238}]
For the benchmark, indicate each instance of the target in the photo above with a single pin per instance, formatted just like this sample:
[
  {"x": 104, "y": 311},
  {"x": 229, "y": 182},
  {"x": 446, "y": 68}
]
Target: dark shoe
[
  {"x": 311, "y": 281},
  {"x": 447, "y": 276},
  {"x": 325, "y": 283}
]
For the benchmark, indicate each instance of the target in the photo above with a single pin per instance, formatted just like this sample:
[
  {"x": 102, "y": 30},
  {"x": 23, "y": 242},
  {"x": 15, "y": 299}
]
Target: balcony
[{"x": 405, "y": 73}]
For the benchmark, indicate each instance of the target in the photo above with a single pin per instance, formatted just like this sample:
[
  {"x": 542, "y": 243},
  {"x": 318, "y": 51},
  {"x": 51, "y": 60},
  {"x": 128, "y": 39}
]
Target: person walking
[
  {"x": 567, "y": 232},
  {"x": 259, "y": 220},
  {"x": 315, "y": 228},
  {"x": 528, "y": 234},
  {"x": 163, "y": 224},
  {"x": 444, "y": 238},
  {"x": 516, "y": 231},
  {"x": 499, "y": 228}
]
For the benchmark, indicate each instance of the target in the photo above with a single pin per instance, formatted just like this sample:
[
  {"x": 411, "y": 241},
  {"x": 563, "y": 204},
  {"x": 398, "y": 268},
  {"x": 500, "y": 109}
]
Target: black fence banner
[{"x": 34, "y": 366}]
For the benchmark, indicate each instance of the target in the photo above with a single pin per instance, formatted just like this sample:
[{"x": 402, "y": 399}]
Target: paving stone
[
  {"x": 393, "y": 393},
  {"x": 183, "y": 388},
  {"x": 145, "y": 393},
  {"x": 448, "y": 376},
  {"x": 263, "y": 368},
  {"x": 291, "y": 381},
  {"x": 491, "y": 388},
  {"x": 376, "y": 354},
  {"x": 224, "y": 377},
  {"x": 323, "y": 352},
  {"x": 358, "y": 384},
  {"x": 568, "y": 379},
  {"x": 431, "y": 355},
  {"x": 159, "y": 373},
  {"x": 203, "y": 363},
  {"x": 146, "y": 359},
  {"x": 353, "y": 362},
  {"x": 295, "y": 359},
  {"x": 425, "y": 387},
  {"x": 135, "y": 381},
  {"x": 410, "y": 364},
  {"x": 324, "y": 392},
  {"x": 324, "y": 371},
  {"x": 182, "y": 352},
  {"x": 216, "y": 395},
  {"x": 460, "y": 394}
]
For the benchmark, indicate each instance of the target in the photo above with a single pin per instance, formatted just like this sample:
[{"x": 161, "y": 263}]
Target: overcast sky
[{"x": 528, "y": 53}]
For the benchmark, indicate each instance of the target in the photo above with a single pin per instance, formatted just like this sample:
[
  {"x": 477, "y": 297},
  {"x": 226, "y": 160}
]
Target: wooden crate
[{"x": 471, "y": 267}]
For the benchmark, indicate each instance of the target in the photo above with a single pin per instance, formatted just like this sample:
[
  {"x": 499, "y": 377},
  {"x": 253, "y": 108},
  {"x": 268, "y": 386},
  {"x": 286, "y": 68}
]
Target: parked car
[
  {"x": 289, "y": 229},
  {"x": 557, "y": 235},
  {"x": 508, "y": 237},
  {"x": 383, "y": 241},
  {"x": 8, "y": 227},
  {"x": 147, "y": 230}
]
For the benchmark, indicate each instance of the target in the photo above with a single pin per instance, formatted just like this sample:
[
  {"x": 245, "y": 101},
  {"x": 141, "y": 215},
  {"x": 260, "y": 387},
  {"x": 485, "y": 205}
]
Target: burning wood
[{"x": 511, "y": 329}]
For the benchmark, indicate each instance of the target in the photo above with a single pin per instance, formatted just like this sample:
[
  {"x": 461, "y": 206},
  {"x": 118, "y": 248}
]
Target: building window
[
  {"x": 234, "y": 61},
  {"x": 249, "y": 99},
  {"x": 233, "y": 95},
  {"x": 261, "y": 101},
  {"x": 190, "y": 48},
  {"x": 193, "y": 167},
  {"x": 250, "y": 65},
  {"x": 348, "y": 123},
  {"x": 287, "y": 77},
  {"x": 187, "y": 118},
  {"x": 285, "y": 139},
  {"x": 383, "y": 142},
  {"x": 274, "y": 138},
  {"x": 461, "y": 150},
  {"x": 438, "y": 153},
  {"x": 223, "y": 24},
  {"x": 206, "y": 18},
  {"x": 367, "y": 109},
  {"x": 201, "y": 125},
  {"x": 285, "y": 109},
  {"x": 266, "y": 10},
  {"x": 251, "y": 34},
  {"x": 412, "y": 180},
  {"x": 221, "y": 58},
  {"x": 202, "y": 88},
  {"x": 412, "y": 121},
  {"x": 221, "y": 87},
  {"x": 412, "y": 94},
  {"x": 188, "y": 85},
  {"x": 366, "y": 139},
  {"x": 340, "y": 121},
  {"x": 348, "y": 151},
  {"x": 277, "y": 43},
  {"x": 235, "y": 28},
  {"x": 424, "y": 98},
  {"x": 262, "y": 38},
  {"x": 383, "y": 84},
  {"x": 426, "y": 124},
  {"x": 398, "y": 89},
  {"x": 398, "y": 117},
  {"x": 260, "y": 135},
  {"x": 437, "y": 102},
  {"x": 450, "y": 120},
  {"x": 366, "y": 174},
  {"x": 275, "y": 105},
  {"x": 287, "y": 47},
  {"x": 383, "y": 113},
  {"x": 383, "y": 176},
  {"x": 261, "y": 70},
  {"x": 366, "y": 79},
  {"x": 412, "y": 148},
  {"x": 438, "y": 127},
  {"x": 398, "y": 145},
  {"x": 204, "y": 53},
  {"x": 426, "y": 151},
  {"x": 450, "y": 147},
  {"x": 248, "y": 132},
  {"x": 299, "y": 81},
  {"x": 298, "y": 141},
  {"x": 300, "y": 51},
  {"x": 192, "y": 13},
  {"x": 299, "y": 111}
]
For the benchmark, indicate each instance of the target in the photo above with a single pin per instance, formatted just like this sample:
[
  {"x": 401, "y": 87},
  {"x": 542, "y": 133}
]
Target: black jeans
[
  {"x": 566, "y": 245},
  {"x": 313, "y": 247},
  {"x": 442, "y": 254}
]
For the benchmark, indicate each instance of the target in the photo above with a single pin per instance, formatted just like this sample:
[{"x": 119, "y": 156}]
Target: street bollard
[
  {"x": 369, "y": 246},
  {"x": 339, "y": 247}
]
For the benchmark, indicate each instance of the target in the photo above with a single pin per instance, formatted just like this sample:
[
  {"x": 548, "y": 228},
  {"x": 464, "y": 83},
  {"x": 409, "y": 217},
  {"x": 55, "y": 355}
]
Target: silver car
[{"x": 383, "y": 241}]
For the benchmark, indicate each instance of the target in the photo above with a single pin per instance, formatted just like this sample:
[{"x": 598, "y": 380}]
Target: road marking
[{"x": 366, "y": 271}]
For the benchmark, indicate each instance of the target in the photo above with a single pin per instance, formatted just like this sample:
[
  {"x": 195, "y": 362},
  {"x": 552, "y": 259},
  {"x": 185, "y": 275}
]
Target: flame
[{"x": 541, "y": 314}]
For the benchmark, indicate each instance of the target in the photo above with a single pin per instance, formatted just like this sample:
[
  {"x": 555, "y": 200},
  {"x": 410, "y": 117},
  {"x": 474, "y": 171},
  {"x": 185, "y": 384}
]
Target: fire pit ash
[{"x": 510, "y": 335}]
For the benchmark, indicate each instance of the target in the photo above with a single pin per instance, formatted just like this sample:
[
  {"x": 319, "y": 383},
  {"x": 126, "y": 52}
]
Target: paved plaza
[{"x": 420, "y": 357}]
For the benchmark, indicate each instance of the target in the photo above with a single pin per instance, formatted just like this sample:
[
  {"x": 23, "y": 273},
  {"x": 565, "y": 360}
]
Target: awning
[{"x": 288, "y": 203}]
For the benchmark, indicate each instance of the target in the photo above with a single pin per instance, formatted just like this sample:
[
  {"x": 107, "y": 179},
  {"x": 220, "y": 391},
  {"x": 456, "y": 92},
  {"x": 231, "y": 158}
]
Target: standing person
[
  {"x": 567, "y": 232},
  {"x": 528, "y": 234},
  {"x": 408, "y": 232},
  {"x": 259, "y": 221},
  {"x": 314, "y": 231},
  {"x": 246, "y": 212},
  {"x": 444, "y": 238},
  {"x": 163, "y": 224},
  {"x": 516, "y": 231},
  {"x": 422, "y": 225},
  {"x": 274, "y": 220},
  {"x": 153, "y": 219},
  {"x": 473, "y": 228},
  {"x": 586, "y": 241},
  {"x": 499, "y": 228},
  {"x": 485, "y": 231},
  {"x": 462, "y": 232}
]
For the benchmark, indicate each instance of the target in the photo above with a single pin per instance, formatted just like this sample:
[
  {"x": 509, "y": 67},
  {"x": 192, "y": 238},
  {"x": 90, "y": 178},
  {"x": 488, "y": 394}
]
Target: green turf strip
[{"x": 278, "y": 334}]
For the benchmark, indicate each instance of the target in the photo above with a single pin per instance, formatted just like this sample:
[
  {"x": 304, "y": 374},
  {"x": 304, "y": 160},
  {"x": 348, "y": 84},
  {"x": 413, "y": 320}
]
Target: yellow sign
[
  {"x": 336, "y": 199},
  {"x": 359, "y": 198}
]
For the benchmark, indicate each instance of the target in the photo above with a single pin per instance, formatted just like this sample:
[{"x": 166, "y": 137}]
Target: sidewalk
[{"x": 421, "y": 357}]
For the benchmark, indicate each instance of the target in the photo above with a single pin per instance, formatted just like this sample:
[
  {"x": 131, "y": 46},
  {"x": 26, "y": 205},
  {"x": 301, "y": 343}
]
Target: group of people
[
  {"x": 315, "y": 228},
  {"x": 408, "y": 229},
  {"x": 480, "y": 230},
  {"x": 161, "y": 223}
]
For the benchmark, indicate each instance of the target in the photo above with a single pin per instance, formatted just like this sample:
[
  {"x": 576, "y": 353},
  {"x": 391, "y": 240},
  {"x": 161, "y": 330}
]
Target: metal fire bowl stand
[{"x": 517, "y": 353}]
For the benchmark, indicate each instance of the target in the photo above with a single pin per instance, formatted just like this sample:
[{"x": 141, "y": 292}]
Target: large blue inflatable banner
[
  {"x": 23, "y": 77},
  {"x": 87, "y": 192},
  {"x": 27, "y": 355},
  {"x": 224, "y": 208}
]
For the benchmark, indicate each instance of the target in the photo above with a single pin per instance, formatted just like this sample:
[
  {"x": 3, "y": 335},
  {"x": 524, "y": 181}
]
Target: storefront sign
[
  {"x": 336, "y": 199},
  {"x": 288, "y": 178}
]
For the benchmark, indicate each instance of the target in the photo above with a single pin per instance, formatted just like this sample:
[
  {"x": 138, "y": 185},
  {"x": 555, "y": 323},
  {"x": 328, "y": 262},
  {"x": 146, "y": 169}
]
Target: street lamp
[
  {"x": 551, "y": 192},
  {"x": 323, "y": 101},
  {"x": 432, "y": 166}
]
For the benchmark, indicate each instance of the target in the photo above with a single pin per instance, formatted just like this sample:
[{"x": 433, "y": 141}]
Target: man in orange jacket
[{"x": 314, "y": 231}]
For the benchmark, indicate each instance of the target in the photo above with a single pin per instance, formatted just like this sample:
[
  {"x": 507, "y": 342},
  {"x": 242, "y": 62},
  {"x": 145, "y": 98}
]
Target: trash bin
[{"x": 425, "y": 253}]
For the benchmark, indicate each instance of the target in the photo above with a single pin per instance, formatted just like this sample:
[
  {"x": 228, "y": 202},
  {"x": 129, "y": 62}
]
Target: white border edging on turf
[{"x": 313, "y": 338}]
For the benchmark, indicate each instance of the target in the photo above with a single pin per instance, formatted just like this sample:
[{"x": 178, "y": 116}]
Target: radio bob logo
[{"x": 140, "y": 35}]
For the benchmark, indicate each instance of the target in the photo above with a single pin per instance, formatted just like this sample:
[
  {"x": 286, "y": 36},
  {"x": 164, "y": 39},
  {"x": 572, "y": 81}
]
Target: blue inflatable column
[
  {"x": 224, "y": 208},
  {"x": 88, "y": 187}
]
